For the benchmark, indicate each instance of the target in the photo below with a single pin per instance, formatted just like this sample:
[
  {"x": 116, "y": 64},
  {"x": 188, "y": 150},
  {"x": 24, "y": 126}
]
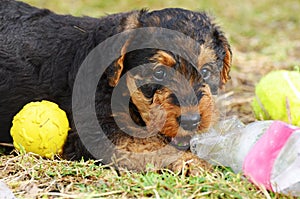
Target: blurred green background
[{"x": 268, "y": 27}]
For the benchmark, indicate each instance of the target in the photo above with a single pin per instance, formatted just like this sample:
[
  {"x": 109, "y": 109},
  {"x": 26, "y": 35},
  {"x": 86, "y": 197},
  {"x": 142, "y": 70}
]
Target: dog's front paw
[{"x": 190, "y": 164}]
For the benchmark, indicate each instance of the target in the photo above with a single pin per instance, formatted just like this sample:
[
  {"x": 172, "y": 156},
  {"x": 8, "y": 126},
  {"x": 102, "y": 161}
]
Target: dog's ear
[
  {"x": 115, "y": 71},
  {"x": 224, "y": 73},
  {"x": 131, "y": 21},
  {"x": 226, "y": 64}
]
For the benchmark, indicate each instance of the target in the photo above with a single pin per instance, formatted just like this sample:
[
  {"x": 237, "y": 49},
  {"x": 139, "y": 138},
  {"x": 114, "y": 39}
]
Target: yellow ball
[{"x": 41, "y": 128}]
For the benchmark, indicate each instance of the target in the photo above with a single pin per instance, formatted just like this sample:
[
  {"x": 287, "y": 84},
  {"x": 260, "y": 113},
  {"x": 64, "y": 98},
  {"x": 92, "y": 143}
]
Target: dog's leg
[{"x": 190, "y": 164}]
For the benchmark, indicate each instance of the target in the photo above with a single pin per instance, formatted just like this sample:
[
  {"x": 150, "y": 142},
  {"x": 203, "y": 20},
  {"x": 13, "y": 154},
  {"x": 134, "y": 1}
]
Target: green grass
[
  {"x": 30, "y": 176},
  {"x": 264, "y": 35}
]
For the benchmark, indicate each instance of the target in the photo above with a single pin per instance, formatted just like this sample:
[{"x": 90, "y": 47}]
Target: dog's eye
[
  {"x": 159, "y": 73},
  {"x": 205, "y": 73}
]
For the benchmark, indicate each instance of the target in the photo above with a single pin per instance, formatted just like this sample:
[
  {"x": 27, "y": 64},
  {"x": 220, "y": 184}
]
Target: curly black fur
[{"x": 40, "y": 53}]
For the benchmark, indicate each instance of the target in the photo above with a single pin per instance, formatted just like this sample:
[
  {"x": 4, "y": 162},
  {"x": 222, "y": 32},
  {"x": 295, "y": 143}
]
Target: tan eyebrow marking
[{"x": 164, "y": 58}]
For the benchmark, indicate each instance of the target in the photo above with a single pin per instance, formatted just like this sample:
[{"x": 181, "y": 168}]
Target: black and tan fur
[{"x": 41, "y": 52}]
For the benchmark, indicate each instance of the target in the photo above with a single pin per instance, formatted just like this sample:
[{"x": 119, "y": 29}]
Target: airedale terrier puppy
[{"x": 41, "y": 53}]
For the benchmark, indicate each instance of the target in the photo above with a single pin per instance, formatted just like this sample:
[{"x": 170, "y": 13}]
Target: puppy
[{"x": 148, "y": 101}]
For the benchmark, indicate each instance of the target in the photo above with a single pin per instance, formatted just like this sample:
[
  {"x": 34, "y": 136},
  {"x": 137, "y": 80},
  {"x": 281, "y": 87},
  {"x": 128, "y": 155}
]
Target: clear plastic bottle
[{"x": 267, "y": 152}]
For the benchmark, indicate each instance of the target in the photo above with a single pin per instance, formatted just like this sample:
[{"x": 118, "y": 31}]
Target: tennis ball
[
  {"x": 278, "y": 97},
  {"x": 41, "y": 128}
]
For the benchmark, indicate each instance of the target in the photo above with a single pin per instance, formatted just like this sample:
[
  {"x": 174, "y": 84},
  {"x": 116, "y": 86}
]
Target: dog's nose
[{"x": 189, "y": 122}]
